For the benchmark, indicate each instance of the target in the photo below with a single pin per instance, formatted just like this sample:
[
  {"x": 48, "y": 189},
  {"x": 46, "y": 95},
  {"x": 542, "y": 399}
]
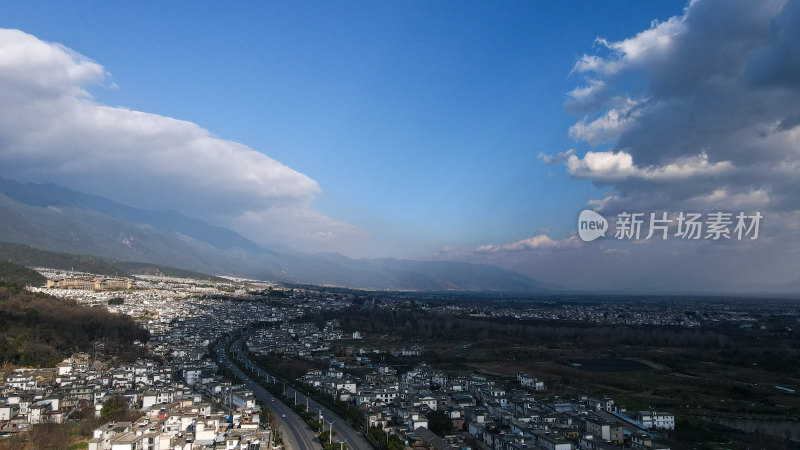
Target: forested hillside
[
  {"x": 20, "y": 275},
  {"x": 40, "y": 330},
  {"x": 33, "y": 257}
]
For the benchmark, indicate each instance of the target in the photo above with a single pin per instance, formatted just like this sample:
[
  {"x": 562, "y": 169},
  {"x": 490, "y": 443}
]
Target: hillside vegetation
[
  {"x": 33, "y": 257},
  {"x": 137, "y": 268},
  {"x": 40, "y": 330},
  {"x": 20, "y": 275}
]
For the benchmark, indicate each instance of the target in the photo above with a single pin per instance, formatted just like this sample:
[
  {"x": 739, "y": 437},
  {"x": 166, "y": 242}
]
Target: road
[
  {"x": 295, "y": 432},
  {"x": 344, "y": 432}
]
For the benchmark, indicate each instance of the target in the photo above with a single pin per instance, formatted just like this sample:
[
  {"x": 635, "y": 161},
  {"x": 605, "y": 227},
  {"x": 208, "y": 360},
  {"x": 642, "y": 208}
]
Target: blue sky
[
  {"x": 420, "y": 119},
  {"x": 471, "y": 131}
]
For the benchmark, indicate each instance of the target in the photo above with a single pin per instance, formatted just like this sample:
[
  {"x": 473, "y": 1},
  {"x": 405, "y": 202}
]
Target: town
[{"x": 216, "y": 374}]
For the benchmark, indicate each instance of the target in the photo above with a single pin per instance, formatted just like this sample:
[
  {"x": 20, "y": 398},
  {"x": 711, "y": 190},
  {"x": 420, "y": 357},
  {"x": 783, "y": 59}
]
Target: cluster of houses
[
  {"x": 498, "y": 414},
  {"x": 176, "y": 396},
  {"x": 184, "y": 315},
  {"x": 184, "y": 424},
  {"x": 183, "y": 407},
  {"x": 295, "y": 339}
]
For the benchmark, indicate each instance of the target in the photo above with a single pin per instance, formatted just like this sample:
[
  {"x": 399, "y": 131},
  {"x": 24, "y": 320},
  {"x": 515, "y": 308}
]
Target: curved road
[
  {"x": 295, "y": 432},
  {"x": 344, "y": 432}
]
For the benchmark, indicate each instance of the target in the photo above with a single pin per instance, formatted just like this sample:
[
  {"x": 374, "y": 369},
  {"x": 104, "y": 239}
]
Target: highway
[
  {"x": 344, "y": 432},
  {"x": 295, "y": 432}
]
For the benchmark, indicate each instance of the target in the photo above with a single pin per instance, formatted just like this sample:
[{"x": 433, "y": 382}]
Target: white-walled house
[
  {"x": 657, "y": 420},
  {"x": 529, "y": 381}
]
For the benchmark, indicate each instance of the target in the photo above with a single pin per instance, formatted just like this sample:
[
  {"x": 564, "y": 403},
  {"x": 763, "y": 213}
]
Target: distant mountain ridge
[
  {"x": 58, "y": 219},
  {"x": 51, "y": 195},
  {"x": 27, "y": 256}
]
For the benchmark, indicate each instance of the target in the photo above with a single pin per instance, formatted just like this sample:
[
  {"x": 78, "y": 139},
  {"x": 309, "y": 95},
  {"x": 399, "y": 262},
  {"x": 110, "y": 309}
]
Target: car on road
[{"x": 283, "y": 415}]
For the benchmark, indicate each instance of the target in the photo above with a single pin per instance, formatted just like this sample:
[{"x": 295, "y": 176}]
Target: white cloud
[
  {"x": 540, "y": 242},
  {"x": 608, "y": 127},
  {"x": 654, "y": 43},
  {"x": 712, "y": 125},
  {"x": 588, "y": 97},
  {"x": 604, "y": 166},
  {"x": 51, "y": 129},
  {"x": 617, "y": 166},
  {"x": 591, "y": 63},
  {"x": 723, "y": 199},
  {"x": 302, "y": 227},
  {"x": 30, "y": 66},
  {"x": 601, "y": 204},
  {"x": 714, "y": 110},
  {"x": 584, "y": 93},
  {"x": 557, "y": 158}
]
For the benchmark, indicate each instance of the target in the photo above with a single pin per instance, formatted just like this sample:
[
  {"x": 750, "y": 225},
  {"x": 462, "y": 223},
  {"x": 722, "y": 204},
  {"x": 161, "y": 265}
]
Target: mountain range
[{"x": 57, "y": 219}]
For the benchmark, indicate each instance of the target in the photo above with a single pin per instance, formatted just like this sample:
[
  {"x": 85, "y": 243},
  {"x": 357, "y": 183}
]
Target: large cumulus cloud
[
  {"x": 700, "y": 112},
  {"x": 51, "y": 129},
  {"x": 699, "y": 108}
]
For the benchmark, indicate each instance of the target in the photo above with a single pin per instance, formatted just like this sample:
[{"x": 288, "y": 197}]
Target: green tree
[
  {"x": 395, "y": 443},
  {"x": 114, "y": 408},
  {"x": 439, "y": 422},
  {"x": 20, "y": 275},
  {"x": 38, "y": 329}
]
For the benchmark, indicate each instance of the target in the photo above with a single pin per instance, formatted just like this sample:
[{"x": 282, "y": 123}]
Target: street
[
  {"x": 295, "y": 432},
  {"x": 344, "y": 432}
]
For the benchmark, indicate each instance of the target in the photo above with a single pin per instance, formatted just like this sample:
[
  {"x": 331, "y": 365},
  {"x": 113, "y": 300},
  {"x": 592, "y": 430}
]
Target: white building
[
  {"x": 529, "y": 381},
  {"x": 7, "y": 412},
  {"x": 553, "y": 443},
  {"x": 417, "y": 420},
  {"x": 191, "y": 375},
  {"x": 658, "y": 420},
  {"x": 243, "y": 399}
]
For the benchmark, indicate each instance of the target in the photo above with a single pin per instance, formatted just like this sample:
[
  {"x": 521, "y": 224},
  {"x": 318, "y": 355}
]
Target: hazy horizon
[{"x": 473, "y": 132}]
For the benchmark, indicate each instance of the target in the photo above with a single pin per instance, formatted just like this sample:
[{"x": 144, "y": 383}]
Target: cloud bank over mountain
[
  {"x": 51, "y": 129},
  {"x": 699, "y": 112}
]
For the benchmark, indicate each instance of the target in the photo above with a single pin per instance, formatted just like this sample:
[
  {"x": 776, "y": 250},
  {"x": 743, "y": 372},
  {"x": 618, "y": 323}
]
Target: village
[
  {"x": 203, "y": 412},
  {"x": 185, "y": 399},
  {"x": 485, "y": 410}
]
